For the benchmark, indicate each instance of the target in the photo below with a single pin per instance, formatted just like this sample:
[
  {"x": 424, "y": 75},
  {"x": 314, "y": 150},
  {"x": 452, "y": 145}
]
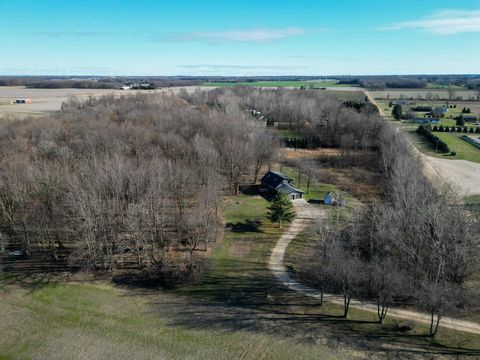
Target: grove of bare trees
[{"x": 125, "y": 182}]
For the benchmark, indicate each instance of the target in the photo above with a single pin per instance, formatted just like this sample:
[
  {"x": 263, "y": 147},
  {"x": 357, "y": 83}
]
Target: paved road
[{"x": 306, "y": 213}]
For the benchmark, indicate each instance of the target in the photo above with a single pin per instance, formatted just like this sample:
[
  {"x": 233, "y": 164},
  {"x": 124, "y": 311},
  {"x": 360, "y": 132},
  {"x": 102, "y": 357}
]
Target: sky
[{"x": 239, "y": 37}]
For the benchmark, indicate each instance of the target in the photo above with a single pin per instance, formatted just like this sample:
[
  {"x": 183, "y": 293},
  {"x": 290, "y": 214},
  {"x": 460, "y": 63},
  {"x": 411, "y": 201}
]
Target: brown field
[
  {"x": 45, "y": 100},
  {"x": 420, "y": 94}
]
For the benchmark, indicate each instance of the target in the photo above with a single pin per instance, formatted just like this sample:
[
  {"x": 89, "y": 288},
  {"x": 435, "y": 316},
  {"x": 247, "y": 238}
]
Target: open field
[
  {"x": 346, "y": 94},
  {"x": 236, "y": 309},
  {"x": 415, "y": 94},
  {"x": 295, "y": 83},
  {"x": 45, "y": 100},
  {"x": 464, "y": 150}
]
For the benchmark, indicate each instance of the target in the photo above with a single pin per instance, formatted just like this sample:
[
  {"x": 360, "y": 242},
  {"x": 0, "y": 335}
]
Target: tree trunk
[
  {"x": 434, "y": 322},
  {"x": 346, "y": 305},
  {"x": 382, "y": 310}
]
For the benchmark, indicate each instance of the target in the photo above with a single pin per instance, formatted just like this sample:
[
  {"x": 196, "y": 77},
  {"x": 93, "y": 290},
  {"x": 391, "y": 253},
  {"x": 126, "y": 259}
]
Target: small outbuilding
[
  {"x": 277, "y": 182},
  {"x": 329, "y": 198}
]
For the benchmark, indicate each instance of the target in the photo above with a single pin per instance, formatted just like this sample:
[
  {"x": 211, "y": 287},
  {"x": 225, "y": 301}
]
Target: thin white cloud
[
  {"x": 237, "y": 36},
  {"x": 442, "y": 22}
]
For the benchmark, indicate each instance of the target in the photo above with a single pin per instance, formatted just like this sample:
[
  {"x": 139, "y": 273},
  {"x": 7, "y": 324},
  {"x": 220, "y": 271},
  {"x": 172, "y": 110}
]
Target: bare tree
[{"x": 264, "y": 149}]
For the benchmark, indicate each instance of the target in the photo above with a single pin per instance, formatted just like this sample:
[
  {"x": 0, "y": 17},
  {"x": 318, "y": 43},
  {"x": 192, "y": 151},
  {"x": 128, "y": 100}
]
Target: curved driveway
[{"x": 306, "y": 213}]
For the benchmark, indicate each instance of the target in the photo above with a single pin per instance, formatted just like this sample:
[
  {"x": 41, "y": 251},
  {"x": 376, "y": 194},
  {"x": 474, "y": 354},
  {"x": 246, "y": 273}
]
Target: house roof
[
  {"x": 288, "y": 189},
  {"x": 274, "y": 178}
]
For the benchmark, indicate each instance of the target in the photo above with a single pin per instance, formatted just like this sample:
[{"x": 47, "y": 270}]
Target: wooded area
[
  {"x": 136, "y": 182},
  {"x": 124, "y": 182}
]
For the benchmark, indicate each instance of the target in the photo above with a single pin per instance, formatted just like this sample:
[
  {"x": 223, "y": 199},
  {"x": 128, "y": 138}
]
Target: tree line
[{"x": 415, "y": 247}]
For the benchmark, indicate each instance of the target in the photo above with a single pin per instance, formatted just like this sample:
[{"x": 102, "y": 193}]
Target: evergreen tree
[
  {"x": 460, "y": 121},
  {"x": 397, "y": 112},
  {"x": 281, "y": 210}
]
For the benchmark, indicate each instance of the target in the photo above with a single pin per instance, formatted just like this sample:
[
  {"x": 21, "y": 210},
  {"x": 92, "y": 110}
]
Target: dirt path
[{"x": 306, "y": 213}]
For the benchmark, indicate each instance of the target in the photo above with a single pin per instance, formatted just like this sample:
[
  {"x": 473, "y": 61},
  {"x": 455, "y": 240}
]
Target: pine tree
[
  {"x": 281, "y": 210},
  {"x": 397, "y": 112}
]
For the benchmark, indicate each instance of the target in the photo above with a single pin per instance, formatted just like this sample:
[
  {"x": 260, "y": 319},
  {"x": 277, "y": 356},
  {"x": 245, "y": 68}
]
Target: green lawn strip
[
  {"x": 291, "y": 134},
  {"x": 464, "y": 150},
  {"x": 472, "y": 200},
  {"x": 432, "y": 85},
  {"x": 116, "y": 317}
]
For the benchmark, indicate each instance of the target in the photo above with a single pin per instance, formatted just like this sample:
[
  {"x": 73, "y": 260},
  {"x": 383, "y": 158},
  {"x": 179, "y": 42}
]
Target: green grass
[
  {"x": 464, "y": 150},
  {"x": 316, "y": 191},
  {"x": 221, "y": 316},
  {"x": 472, "y": 200},
  {"x": 292, "y": 134},
  {"x": 97, "y": 321},
  {"x": 296, "y": 259},
  {"x": 294, "y": 83},
  {"x": 432, "y": 85},
  {"x": 241, "y": 255},
  {"x": 237, "y": 310}
]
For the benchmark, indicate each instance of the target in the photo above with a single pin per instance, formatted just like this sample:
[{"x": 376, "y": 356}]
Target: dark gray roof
[
  {"x": 287, "y": 189},
  {"x": 274, "y": 178}
]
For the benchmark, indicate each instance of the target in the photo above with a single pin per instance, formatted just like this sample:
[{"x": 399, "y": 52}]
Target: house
[
  {"x": 469, "y": 117},
  {"x": 426, "y": 121},
  {"x": 277, "y": 182},
  {"x": 329, "y": 198}
]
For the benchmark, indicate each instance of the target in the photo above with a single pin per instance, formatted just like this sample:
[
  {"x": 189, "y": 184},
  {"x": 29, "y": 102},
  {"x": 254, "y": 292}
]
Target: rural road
[
  {"x": 306, "y": 213},
  {"x": 462, "y": 176}
]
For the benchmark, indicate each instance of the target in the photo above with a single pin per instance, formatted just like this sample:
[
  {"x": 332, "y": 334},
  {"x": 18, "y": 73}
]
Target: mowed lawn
[
  {"x": 237, "y": 311},
  {"x": 218, "y": 318},
  {"x": 464, "y": 150},
  {"x": 316, "y": 191}
]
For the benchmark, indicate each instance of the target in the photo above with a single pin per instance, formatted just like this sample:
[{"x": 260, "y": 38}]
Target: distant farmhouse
[
  {"x": 426, "y": 121},
  {"x": 277, "y": 182},
  {"x": 23, "y": 101},
  {"x": 469, "y": 117}
]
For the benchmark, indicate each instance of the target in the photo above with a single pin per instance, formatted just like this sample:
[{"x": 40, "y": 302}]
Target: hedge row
[
  {"x": 434, "y": 140},
  {"x": 457, "y": 129},
  {"x": 471, "y": 141}
]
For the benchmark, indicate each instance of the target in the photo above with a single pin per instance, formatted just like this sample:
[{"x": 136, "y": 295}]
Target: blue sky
[{"x": 233, "y": 37}]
